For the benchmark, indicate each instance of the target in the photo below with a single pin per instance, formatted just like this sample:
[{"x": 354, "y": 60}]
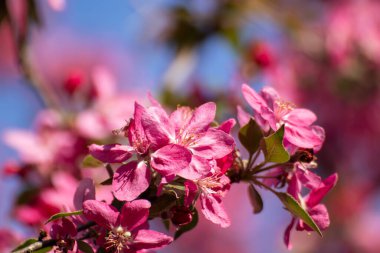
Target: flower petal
[
  {"x": 157, "y": 126},
  {"x": 170, "y": 159},
  {"x": 134, "y": 214},
  {"x": 103, "y": 214},
  {"x": 148, "y": 239},
  {"x": 130, "y": 180},
  {"x": 242, "y": 116},
  {"x": 197, "y": 168},
  {"x": 213, "y": 210},
  {"x": 201, "y": 119},
  {"x": 253, "y": 98},
  {"x": 227, "y": 125},
  {"x": 191, "y": 190},
  {"x": 214, "y": 144},
  {"x": 287, "y": 234},
  {"x": 317, "y": 195},
  {"x": 302, "y": 117},
  {"x": 84, "y": 191},
  {"x": 111, "y": 153}
]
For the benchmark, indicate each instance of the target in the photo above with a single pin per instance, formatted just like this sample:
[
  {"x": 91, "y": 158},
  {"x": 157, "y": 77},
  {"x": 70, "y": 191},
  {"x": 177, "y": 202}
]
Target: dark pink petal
[
  {"x": 309, "y": 179},
  {"x": 103, "y": 214},
  {"x": 225, "y": 163},
  {"x": 213, "y": 210},
  {"x": 253, "y": 98},
  {"x": 170, "y": 159},
  {"x": 111, "y": 153},
  {"x": 303, "y": 137},
  {"x": 191, "y": 191},
  {"x": 214, "y": 144},
  {"x": 148, "y": 239},
  {"x": 197, "y": 168},
  {"x": 294, "y": 187},
  {"x": 68, "y": 228},
  {"x": 201, "y": 119},
  {"x": 316, "y": 196},
  {"x": 181, "y": 117},
  {"x": 84, "y": 191},
  {"x": 320, "y": 216},
  {"x": 227, "y": 125},
  {"x": 301, "y": 117},
  {"x": 136, "y": 137},
  {"x": 130, "y": 180},
  {"x": 242, "y": 116},
  {"x": 157, "y": 127},
  {"x": 134, "y": 214},
  {"x": 287, "y": 234}
]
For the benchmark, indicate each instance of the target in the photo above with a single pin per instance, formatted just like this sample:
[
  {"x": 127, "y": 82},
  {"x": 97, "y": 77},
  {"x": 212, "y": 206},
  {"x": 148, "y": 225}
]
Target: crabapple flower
[
  {"x": 311, "y": 202},
  {"x": 271, "y": 112},
  {"x": 211, "y": 190},
  {"x": 126, "y": 229}
]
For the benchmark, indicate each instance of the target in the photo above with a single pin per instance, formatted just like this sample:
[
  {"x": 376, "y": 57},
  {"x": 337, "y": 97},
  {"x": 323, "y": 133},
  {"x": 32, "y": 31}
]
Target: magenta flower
[
  {"x": 211, "y": 190},
  {"x": 186, "y": 134},
  {"x": 271, "y": 112},
  {"x": 311, "y": 202},
  {"x": 126, "y": 229}
]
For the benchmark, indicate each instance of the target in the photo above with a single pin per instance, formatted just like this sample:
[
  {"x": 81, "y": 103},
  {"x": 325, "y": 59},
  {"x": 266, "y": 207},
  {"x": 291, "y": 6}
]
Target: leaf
[
  {"x": 296, "y": 209},
  {"x": 161, "y": 203},
  {"x": 177, "y": 190},
  {"x": 107, "y": 181},
  {"x": 84, "y": 247},
  {"x": 250, "y": 136},
  {"x": 255, "y": 199},
  {"x": 25, "y": 244},
  {"x": 91, "y": 162},
  {"x": 187, "y": 227},
  {"x": 274, "y": 150},
  {"x": 166, "y": 223},
  {"x": 44, "y": 250},
  {"x": 33, "y": 14},
  {"x": 61, "y": 215}
]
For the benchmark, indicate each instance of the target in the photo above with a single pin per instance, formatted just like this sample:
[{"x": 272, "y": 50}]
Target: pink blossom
[
  {"x": 211, "y": 189},
  {"x": 311, "y": 202},
  {"x": 270, "y": 112},
  {"x": 126, "y": 229}
]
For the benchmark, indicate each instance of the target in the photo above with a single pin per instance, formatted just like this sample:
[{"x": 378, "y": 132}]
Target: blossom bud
[
  {"x": 180, "y": 215},
  {"x": 262, "y": 55}
]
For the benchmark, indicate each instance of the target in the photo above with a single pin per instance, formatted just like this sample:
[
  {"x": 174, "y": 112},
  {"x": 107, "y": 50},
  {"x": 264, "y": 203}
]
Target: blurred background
[{"x": 70, "y": 72}]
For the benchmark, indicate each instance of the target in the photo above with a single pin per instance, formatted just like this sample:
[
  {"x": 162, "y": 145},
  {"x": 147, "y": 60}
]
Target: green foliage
[
  {"x": 297, "y": 210},
  {"x": 250, "y": 136},
  {"x": 91, "y": 162},
  {"x": 274, "y": 150},
  {"x": 255, "y": 199},
  {"x": 84, "y": 247},
  {"x": 62, "y": 215},
  {"x": 25, "y": 244}
]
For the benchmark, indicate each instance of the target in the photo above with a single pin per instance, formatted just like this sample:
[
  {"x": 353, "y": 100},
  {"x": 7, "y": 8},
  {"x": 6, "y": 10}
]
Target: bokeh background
[{"x": 95, "y": 58}]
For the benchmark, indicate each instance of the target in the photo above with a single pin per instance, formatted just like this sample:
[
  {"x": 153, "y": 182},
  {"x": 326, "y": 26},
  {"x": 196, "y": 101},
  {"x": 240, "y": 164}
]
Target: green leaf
[
  {"x": 25, "y": 244},
  {"x": 296, "y": 209},
  {"x": 255, "y": 199},
  {"x": 274, "y": 150},
  {"x": 84, "y": 247},
  {"x": 91, "y": 162},
  {"x": 186, "y": 228},
  {"x": 250, "y": 136},
  {"x": 161, "y": 203},
  {"x": 177, "y": 190},
  {"x": 62, "y": 215},
  {"x": 44, "y": 250}
]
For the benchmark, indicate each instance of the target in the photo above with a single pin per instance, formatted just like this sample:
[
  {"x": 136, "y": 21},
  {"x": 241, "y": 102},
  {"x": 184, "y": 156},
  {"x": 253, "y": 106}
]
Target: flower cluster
[{"x": 165, "y": 163}]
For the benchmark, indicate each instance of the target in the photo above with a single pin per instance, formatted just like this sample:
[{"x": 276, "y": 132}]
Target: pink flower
[
  {"x": 181, "y": 144},
  {"x": 271, "y": 112},
  {"x": 126, "y": 229},
  {"x": 188, "y": 132},
  {"x": 311, "y": 202},
  {"x": 211, "y": 189}
]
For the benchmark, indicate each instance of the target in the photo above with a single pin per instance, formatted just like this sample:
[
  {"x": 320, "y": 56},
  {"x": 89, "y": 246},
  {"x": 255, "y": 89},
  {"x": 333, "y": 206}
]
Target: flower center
[
  {"x": 282, "y": 108},
  {"x": 207, "y": 185},
  {"x": 118, "y": 239}
]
